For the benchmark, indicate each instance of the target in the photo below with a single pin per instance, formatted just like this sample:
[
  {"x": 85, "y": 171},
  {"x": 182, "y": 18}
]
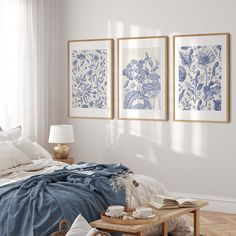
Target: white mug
[
  {"x": 115, "y": 210},
  {"x": 143, "y": 211}
]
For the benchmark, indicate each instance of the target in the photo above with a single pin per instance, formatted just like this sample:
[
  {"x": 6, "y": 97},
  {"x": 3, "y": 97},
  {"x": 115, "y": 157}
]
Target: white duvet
[
  {"x": 39, "y": 166},
  {"x": 140, "y": 196}
]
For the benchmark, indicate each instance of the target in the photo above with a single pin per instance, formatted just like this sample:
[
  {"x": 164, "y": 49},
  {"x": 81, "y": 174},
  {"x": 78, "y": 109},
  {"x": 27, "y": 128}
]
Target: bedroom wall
[{"x": 194, "y": 158}]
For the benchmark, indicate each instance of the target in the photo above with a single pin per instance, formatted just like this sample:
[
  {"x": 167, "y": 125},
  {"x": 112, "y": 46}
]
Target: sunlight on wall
[
  {"x": 152, "y": 156},
  {"x": 177, "y": 138},
  {"x": 135, "y": 128},
  {"x": 169, "y": 135},
  {"x": 182, "y": 141},
  {"x": 156, "y": 134},
  {"x": 134, "y": 30},
  {"x": 198, "y": 141},
  {"x": 140, "y": 156},
  {"x": 120, "y": 29}
]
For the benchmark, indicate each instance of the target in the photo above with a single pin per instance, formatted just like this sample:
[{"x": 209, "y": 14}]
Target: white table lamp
[{"x": 61, "y": 135}]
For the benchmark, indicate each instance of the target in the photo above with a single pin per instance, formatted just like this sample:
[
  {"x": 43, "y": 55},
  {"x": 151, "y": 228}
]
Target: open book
[{"x": 163, "y": 202}]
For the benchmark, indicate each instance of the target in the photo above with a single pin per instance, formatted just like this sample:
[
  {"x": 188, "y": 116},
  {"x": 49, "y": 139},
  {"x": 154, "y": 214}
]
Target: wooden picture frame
[
  {"x": 201, "y": 77},
  {"x": 90, "y": 78},
  {"x": 143, "y": 78}
]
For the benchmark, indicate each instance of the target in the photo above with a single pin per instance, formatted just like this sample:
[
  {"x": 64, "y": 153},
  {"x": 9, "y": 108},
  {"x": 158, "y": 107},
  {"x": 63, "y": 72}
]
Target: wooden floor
[{"x": 217, "y": 224}]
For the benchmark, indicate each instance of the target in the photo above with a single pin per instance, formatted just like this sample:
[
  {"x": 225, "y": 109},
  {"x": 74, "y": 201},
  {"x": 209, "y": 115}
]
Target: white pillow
[
  {"x": 10, "y": 134},
  {"x": 11, "y": 157},
  {"x": 3, "y": 136},
  {"x": 81, "y": 227},
  {"x": 43, "y": 153},
  {"x": 24, "y": 144}
]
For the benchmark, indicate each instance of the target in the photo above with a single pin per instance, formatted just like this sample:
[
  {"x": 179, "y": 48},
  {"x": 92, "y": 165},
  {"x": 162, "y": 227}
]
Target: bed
[{"x": 34, "y": 197}]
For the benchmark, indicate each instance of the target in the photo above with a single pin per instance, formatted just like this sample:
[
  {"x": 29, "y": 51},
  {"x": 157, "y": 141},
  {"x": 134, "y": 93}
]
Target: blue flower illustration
[
  {"x": 142, "y": 84},
  {"x": 81, "y": 56},
  {"x": 89, "y": 79},
  {"x": 186, "y": 57},
  {"x": 75, "y": 62},
  {"x": 182, "y": 73},
  {"x": 200, "y": 76},
  {"x": 205, "y": 57},
  {"x": 217, "y": 105},
  {"x": 96, "y": 57}
]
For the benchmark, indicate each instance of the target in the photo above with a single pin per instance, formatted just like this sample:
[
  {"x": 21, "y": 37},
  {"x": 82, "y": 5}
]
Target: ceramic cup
[
  {"x": 115, "y": 210},
  {"x": 143, "y": 212}
]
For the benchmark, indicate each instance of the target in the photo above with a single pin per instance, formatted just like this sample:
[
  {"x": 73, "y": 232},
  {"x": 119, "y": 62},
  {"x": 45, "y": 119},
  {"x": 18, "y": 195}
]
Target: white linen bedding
[
  {"x": 39, "y": 166},
  {"x": 140, "y": 196}
]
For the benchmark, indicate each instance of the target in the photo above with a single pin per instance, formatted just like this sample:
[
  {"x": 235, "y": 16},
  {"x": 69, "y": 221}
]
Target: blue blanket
[{"x": 35, "y": 206}]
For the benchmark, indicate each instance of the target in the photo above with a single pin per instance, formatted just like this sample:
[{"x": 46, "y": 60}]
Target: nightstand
[{"x": 68, "y": 160}]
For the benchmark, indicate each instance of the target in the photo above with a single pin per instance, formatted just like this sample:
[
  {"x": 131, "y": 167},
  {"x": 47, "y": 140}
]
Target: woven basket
[{"x": 64, "y": 227}]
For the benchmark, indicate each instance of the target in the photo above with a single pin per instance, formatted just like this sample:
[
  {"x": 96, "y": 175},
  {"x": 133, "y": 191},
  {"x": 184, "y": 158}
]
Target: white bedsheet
[
  {"x": 140, "y": 196},
  {"x": 25, "y": 171}
]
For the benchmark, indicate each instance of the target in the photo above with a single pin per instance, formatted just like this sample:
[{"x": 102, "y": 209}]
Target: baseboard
[{"x": 218, "y": 204}]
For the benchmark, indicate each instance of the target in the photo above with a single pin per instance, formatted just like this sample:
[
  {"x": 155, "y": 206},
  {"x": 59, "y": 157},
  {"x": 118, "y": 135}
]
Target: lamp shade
[{"x": 61, "y": 134}]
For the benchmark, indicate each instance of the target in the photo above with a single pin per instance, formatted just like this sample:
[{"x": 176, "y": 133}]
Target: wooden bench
[{"x": 163, "y": 217}]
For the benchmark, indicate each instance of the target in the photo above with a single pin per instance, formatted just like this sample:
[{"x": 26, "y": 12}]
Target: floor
[{"x": 217, "y": 224}]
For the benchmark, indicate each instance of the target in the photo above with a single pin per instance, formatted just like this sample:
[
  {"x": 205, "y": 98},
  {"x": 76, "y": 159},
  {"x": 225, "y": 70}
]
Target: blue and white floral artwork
[
  {"x": 89, "y": 79},
  {"x": 141, "y": 84},
  {"x": 142, "y": 72},
  {"x": 200, "y": 78}
]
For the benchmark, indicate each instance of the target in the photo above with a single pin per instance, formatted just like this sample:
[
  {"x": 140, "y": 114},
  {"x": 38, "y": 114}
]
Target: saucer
[
  {"x": 143, "y": 217},
  {"x": 111, "y": 215}
]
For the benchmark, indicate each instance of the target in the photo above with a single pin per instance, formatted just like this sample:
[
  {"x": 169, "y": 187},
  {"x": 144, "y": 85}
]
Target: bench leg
[
  {"x": 196, "y": 215},
  {"x": 165, "y": 229},
  {"x": 140, "y": 233}
]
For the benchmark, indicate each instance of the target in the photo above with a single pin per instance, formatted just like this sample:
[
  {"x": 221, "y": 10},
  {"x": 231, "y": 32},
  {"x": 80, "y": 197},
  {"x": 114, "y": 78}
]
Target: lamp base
[{"x": 61, "y": 151}]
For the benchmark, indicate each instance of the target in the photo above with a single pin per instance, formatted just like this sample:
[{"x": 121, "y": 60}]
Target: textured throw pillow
[
  {"x": 10, "y": 134},
  {"x": 11, "y": 157},
  {"x": 43, "y": 153},
  {"x": 24, "y": 144}
]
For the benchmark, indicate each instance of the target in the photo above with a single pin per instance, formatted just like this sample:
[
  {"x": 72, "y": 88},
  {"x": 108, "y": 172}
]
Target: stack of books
[{"x": 162, "y": 202}]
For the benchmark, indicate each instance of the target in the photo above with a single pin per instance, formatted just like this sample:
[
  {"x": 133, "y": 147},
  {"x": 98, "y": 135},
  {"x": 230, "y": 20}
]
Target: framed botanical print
[
  {"x": 201, "y": 77},
  {"x": 90, "y": 65},
  {"x": 142, "y": 78}
]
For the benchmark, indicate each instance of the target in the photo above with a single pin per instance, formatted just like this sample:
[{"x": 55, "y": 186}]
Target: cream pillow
[
  {"x": 43, "y": 153},
  {"x": 11, "y": 157},
  {"x": 10, "y": 134},
  {"x": 24, "y": 144},
  {"x": 3, "y": 136},
  {"x": 31, "y": 149}
]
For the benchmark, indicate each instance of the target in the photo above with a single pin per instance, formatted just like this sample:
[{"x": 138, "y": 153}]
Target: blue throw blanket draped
[{"x": 35, "y": 206}]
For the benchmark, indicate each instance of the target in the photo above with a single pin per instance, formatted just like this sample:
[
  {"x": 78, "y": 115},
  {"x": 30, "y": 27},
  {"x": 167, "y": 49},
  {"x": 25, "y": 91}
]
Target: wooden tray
[{"x": 108, "y": 219}]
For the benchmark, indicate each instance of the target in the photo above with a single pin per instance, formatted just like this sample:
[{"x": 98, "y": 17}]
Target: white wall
[{"x": 187, "y": 157}]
